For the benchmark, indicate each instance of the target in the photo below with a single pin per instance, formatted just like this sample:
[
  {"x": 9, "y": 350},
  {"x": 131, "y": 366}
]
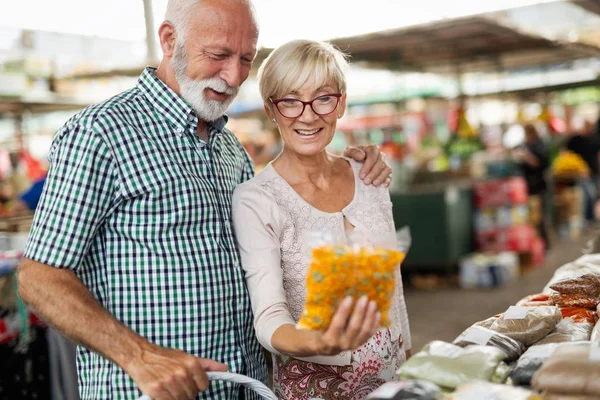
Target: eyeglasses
[{"x": 293, "y": 108}]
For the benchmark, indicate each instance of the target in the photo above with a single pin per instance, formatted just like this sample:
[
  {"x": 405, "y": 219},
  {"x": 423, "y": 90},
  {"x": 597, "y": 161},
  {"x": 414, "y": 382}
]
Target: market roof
[{"x": 460, "y": 45}]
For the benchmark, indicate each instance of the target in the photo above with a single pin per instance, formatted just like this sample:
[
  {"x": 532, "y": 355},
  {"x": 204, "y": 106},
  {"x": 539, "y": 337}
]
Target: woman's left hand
[{"x": 375, "y": 170}]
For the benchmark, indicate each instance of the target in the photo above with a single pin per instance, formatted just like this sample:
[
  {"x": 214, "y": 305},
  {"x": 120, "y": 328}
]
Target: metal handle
[{"x": 243, "y": 380}]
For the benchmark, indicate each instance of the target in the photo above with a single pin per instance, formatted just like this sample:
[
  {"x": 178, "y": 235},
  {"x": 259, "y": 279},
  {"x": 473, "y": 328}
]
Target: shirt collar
[{"x": 175, "y": 109}]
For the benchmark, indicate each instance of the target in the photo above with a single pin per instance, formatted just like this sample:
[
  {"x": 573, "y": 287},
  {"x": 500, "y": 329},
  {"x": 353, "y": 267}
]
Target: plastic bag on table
[
  {"x": 492, "y": 391},
  {"x": 568, "y": 330},
  {"x": 595, "y": 336},
  {"x": 450, "y": 366},
  {"x": 579, "y": 314},
  {"x": 354, "y": 266},
  {"x": 487, "y": 323},
  {"x": 534, "y": 300},
  {"x": 533, "y": 324},
  {"x": 569, "y": 371},
  {"x": 588, "y": 284},
  {"x": 557, "y": 396},
  {"x": 406, "y": 390},
  {"x": 568, "y": 271},
  {"x": 487, "y": 337},
  {"x": 530, "y": 362},
  {"x": 502, "y": 373},
  {"x": 575, "y": 300}
]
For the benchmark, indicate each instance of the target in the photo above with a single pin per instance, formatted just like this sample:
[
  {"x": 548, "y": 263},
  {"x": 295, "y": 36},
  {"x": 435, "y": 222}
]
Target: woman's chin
[{"x": 311, "y": 150}]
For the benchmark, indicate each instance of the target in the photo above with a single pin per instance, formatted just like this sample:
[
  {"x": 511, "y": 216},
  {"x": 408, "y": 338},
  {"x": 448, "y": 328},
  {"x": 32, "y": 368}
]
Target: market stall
[
  {"x": 453, "y": 48},
  {"x": 544, "y": 345}
]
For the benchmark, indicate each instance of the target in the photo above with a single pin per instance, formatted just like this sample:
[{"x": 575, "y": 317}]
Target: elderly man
[{"x": 132, "y": 253}]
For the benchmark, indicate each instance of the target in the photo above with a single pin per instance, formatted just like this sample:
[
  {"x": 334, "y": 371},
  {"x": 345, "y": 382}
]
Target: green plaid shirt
[{"x": 139, "y": 208}]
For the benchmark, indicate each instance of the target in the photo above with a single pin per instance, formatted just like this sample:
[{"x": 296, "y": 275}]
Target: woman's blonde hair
[{"x": 296, "y": 63}]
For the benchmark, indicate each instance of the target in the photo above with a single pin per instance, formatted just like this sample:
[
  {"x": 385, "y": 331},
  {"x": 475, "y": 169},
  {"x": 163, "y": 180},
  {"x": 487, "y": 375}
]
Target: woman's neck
[{"x": 297, "y": 169}]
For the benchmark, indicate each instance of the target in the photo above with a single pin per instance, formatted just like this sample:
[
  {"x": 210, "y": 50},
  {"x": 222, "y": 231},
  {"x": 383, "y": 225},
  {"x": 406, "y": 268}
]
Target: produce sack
[
  {"x": 502, "y": 372},
  {"x": 450, "y": 366},
  {"x": 487, "y": 323},
  {"x": 527, "y": 325},
  {"x": 358, "y": 267},
  {"x": 569, "y": 271},
  {"x": 588, "y": 284},
  {"x": 539, "y": 299},
  {"x": 568, "y": 330},
  {"x": 595, "y": 336},
  {"x": 487, "y": 337},
  {"x": 492, "y": 391},
  {"x": 575, "y": 300},
  {"x": 407, "y": 390},
  {"x": 579, "y": 314},
  {"x": 555, "y": 396},
  {"x": 530, "y": 362},
  {"x": 569, "y": 371}
]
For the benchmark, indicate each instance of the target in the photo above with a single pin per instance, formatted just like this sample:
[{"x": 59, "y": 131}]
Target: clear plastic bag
[
  {"x": 537, "y": 323},
  {"x": 575, "y": 300},
  {"x": 530, "y": 362},
  {"x": 450, "y": 366},
  {"x": 407, "y": 390},
  {"x": 595, "y": 336},
  {"x": 534, "y": 300},
  {"x": 569, "y": 371},
  {"x": 579, "y": 314},
  {"x": 588, "y": 284},
  {"x": 354, "y": 266},
  {"x": 568, "y": 330},
  {"x": 492, "y": 391},
  {"x": 472, "y": 335}
]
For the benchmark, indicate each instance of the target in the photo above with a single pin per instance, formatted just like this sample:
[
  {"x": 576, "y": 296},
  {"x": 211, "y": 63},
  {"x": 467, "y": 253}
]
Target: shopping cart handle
[{"x": 243, "y": 380}]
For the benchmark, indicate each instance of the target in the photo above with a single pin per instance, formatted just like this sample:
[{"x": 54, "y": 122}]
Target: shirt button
[{"x": 179, "y": 131}]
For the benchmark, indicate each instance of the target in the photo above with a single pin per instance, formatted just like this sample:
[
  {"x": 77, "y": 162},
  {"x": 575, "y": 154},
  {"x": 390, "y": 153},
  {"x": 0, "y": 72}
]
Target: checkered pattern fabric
[{"x": 138, "y": 206}]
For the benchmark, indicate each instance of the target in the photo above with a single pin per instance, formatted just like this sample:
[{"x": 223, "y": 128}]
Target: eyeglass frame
[{"x": 275, "y": 102}]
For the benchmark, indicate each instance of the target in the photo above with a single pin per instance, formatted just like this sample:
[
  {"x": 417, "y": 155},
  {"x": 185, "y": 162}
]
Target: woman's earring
[
  {"x": 273, "y": 120},
  {"x": 339, "y": 115}
]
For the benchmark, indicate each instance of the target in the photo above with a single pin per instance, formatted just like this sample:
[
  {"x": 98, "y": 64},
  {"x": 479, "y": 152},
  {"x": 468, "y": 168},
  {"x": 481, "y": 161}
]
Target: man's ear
[{"x": 167, "y": 36}]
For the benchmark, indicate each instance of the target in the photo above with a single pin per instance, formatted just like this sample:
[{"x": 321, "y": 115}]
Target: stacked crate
[{"x": 502, "y": 219}]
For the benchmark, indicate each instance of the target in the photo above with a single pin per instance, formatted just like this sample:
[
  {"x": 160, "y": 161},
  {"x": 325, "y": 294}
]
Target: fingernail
[
  {"x": 364, "y": 300},
  {"x": 362, "y": 175},
  {"x": 367, "y": 181},
  {"x": 377, "y": 182},
  {"x": 348, "y": 299}
]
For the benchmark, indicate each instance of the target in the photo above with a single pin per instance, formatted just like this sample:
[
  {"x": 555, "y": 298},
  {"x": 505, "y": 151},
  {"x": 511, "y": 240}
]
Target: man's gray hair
[{"x": 178, "y": 13}]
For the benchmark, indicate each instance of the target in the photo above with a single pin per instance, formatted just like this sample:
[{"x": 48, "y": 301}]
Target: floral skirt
[{"x": 373, "y": 364}]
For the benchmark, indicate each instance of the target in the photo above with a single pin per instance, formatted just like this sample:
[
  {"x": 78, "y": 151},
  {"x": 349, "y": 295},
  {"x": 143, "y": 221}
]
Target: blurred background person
[
  {"x": 587, "y": 145},
  {"x": 535, "y": 160}
]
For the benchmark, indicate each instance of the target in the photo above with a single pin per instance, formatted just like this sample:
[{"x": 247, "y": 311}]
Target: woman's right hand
[{"x": 349, "y": 328}]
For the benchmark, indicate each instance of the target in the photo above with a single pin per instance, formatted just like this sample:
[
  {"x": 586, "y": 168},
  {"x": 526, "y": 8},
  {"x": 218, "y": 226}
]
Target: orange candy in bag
[{"x": 337, "y": 271}]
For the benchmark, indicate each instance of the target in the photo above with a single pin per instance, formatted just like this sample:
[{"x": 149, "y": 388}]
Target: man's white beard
[{"x": 192, "y": 91}]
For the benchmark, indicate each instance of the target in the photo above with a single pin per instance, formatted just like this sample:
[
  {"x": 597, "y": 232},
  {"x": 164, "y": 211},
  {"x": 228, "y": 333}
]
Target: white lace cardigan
[{"x": 272, "y": 223}]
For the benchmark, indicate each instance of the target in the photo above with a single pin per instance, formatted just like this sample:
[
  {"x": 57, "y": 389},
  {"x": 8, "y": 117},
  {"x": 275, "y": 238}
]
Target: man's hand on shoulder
[{"x": 375, "y": 170}]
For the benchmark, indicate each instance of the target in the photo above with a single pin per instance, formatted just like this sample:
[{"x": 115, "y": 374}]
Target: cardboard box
[
  {"x": 516, "y": 238},
  {"x": 500, "y": 192},
  {"x": 487, "y": 270}
]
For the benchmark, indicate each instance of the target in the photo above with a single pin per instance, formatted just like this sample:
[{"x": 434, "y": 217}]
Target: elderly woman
[{"x": 307, "y": 189}]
